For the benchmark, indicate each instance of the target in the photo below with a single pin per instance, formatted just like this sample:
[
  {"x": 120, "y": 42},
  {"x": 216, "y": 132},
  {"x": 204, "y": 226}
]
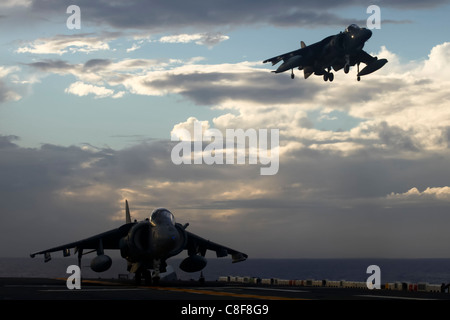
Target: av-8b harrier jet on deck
[
  {"x": 339, "y": 51},
  {"x": 147, "y": 245}
]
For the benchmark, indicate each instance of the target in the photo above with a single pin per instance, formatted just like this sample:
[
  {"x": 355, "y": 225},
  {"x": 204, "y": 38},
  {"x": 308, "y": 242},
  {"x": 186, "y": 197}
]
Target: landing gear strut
[
  {"x": 347, "y": 64},
  {"x": 292, "y": 74},
  {"x": 149, "y": 276},
  {"x": 156, "y": 266},
  {"x": 346, "y": 68},
  {"x": 143, "y": 274},
  {"x": 358, "y": 77}
]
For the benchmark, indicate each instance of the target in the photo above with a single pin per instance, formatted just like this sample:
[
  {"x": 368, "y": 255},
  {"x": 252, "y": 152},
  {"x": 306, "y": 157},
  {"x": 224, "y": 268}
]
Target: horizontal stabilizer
[{"x": 372, "y": 67}]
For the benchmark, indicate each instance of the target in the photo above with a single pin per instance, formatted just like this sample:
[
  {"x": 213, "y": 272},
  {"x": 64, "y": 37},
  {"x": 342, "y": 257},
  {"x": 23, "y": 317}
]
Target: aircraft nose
[
  {"x": 172, "y": 238},
  {"x": 165, "y": 239},
  {"x": 367, "y": 33}
]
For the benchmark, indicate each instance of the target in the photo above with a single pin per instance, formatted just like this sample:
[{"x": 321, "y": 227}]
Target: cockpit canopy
[
  {"x": 162, "y": 215},
  {"x": 351, "y": 28}
]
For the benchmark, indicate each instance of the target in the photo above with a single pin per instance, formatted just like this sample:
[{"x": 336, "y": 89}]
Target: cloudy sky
[{"x": 86, "y": 117}]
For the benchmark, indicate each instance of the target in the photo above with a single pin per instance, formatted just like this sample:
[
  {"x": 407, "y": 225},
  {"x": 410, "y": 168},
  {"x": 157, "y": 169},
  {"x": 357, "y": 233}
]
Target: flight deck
[{"x": 96, "y": 289}]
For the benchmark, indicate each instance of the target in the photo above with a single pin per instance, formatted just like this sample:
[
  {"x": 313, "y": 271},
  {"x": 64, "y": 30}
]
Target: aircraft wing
[
  {"x": 284, "y": 57},
  {"x": 372, "y": 63},
  {"x": 196, "y": 244},
  {"x": 109, "y": 240},
  {"x": 313, "y": 51},
  {"x": 365, "y": 58}
]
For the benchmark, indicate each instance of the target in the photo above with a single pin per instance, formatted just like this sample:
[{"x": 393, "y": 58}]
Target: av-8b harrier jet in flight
[
  {"x": 146, "y": 246},
  {"x": 339, "y": 51}
]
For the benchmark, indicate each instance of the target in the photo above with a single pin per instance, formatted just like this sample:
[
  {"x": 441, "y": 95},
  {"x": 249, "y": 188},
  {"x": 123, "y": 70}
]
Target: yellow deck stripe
[
  {"x": 200, "y": 291},
  {"x": 225, "y": 294}
]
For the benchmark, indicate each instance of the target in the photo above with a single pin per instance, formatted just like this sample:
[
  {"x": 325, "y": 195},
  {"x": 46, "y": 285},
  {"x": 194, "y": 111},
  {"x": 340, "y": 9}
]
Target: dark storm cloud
[
  {"x": 446, "y": 136},
  {"x": 180, "y": 14},
  {"x": 51, "y": 65},
  {"x": 93, "y": 64},
  {"x": 311, "y": 19},
  {"x": 7, "y": 141},
  {"x": 49, "y": 193},
  {"x": 172, "y": 15},
  {"x": 410, "y": 5},
  {"x": 54, "y": 194},
  {"x": 396, "y": 137},
  {"x": 211, "y": 88}
]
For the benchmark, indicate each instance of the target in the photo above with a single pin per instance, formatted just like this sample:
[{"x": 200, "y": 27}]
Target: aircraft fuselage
[
  {"x": 154, "y": 239},
  {"x": 332, "y": 49},
  {"x": 337, "y": 51}
]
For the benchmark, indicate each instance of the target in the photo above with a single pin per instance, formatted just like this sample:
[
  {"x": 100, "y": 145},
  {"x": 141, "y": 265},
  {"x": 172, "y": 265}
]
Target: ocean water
[{"x": 433, "y": 271}]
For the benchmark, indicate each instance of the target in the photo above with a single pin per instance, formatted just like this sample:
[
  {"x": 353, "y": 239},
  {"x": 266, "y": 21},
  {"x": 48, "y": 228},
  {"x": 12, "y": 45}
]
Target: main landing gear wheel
[
  {"x": 292, "y": 74},
  {"x": 329, "y": 76}
]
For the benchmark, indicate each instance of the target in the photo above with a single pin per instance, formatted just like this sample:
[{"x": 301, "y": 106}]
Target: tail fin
[
  {"x": 302, "y": 44},
  {"x": 127, "y": 213}
]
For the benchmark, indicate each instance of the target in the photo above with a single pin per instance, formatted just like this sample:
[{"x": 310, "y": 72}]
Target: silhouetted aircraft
[
  {"x": 146, "y": 246},
  {"x": 339, "y": 51}
]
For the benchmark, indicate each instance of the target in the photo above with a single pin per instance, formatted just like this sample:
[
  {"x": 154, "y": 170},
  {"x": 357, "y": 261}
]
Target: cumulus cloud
[
  {"x": 430, "y": 193},
  {"x": 94, "y": 74},
  {"x": 134, "y": 47},
  {"x": 82, "y": 89},
  {"x": 207, "y": 39},
  {"x": 62, "y": 44},
  {"x": 179, "y": 130},
  {"x": 6, "y": 92},
  {"x": 392, "y": 117}
]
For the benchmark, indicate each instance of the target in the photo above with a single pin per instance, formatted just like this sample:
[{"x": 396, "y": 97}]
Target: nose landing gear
[{"x": 358, "y": 77}]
